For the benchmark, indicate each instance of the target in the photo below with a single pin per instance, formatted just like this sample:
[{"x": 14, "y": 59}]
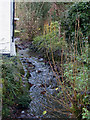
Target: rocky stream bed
[{"x": 41, "y": 81}]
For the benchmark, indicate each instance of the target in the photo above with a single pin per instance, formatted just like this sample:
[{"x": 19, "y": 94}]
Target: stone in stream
[
  {"x": 29, "y": 62},
  {"x": 30, "y": 84},
  {"x": 43, "y": 92},
  {"x": 22, "y": 116},
  {"x": 22, "y": 112},
  {"x": 47, "y": 85},
  {"x": 41, "y": 59},
  {"x": 19, "y": 47},
  {"x": 28, "y": 74},
  {"x": 54, "y": 76},
  {"x": 38, "y": 71},
  {"x": 24, "y": 48},
  {"x": 50, "y": 87},
  {"x": 51, "y": 91},
  {"x": 39, "y": 56},
  {"x": 24, "y": 61},
  {"x": 42, "y": 85},
  {"x": 31, "y": 65}
]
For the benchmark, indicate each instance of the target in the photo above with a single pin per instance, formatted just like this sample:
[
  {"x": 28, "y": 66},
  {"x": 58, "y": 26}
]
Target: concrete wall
[{"x": 6, "y": 28}]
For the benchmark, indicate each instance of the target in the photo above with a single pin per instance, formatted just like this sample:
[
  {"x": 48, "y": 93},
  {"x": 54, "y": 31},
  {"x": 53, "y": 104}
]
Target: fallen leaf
[
  {"x": 43, "y": 92},
  {"x": 56, "y": 88},
  {"x": 44, "y": 112}
]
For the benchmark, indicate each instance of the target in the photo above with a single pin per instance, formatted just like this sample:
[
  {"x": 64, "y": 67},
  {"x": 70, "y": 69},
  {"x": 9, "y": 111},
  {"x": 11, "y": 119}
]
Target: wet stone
[
  {"x": 23, "y": 116},
  {"x": 24, "y": 61},
  {"x": 30, "y": 84},
  {"x": 38, "y": 71},
  {"x": 41, "y": 59},
  {"x": 40, "y": 81},
  {"x": 22, "y": 112}
]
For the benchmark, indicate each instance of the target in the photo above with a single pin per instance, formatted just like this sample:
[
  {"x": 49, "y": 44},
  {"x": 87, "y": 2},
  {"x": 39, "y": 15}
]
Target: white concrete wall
[{"x": 5, "y": 26}]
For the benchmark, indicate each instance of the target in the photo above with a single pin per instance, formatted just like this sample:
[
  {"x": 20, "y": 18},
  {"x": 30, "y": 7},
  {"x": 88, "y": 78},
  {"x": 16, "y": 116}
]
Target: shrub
[
  {"x": 44, "y": 42},
  {"x": 72, "y": 91}
]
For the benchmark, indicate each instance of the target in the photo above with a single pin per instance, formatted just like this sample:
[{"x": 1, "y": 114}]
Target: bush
[
  {"x": 73, "y": 89},
  {"x": 49, "y": 42}
]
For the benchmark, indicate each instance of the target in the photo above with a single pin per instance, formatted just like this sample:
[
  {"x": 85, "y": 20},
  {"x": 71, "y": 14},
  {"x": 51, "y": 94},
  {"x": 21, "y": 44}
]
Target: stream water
[{"x": 41, "y": 81}]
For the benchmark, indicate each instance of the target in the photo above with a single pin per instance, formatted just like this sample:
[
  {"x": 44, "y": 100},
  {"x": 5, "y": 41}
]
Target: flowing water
[{"x": 41, "y": 81}]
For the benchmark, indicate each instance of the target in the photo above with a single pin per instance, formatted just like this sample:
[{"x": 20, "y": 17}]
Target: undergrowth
[
  {"x": 14, "y": 95},
  {"x": 72, "y": 92}
]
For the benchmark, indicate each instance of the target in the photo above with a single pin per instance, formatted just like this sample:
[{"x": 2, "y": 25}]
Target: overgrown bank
[
  {"x": 14, "y": 95},
  {"x": 73, "y": 68}
]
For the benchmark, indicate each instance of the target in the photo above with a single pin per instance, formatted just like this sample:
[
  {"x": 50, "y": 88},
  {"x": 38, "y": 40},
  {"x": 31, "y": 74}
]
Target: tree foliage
[
  {"x": 32, "y": 17},
  {"x": 78, "y": 12}
]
